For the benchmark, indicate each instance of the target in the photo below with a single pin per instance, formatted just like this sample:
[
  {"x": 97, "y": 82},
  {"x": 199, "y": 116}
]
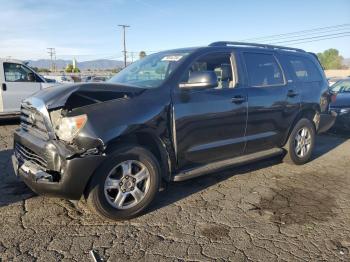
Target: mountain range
[{"x": 93, "y": 64}]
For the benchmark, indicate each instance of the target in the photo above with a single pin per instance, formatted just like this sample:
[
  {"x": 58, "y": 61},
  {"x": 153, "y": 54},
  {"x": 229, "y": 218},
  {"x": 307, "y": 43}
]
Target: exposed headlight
[
  {"x": 68, "y": 127},
  {"x": 344, "y": 111}
]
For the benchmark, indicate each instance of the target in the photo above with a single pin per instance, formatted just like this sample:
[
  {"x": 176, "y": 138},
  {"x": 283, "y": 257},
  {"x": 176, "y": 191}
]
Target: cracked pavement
[{"x": 266, "y": 211}]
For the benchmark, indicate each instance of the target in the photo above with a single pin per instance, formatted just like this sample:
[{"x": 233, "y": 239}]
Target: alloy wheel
[
  {"x": 302, "y": 143},
  {"x": 127, "y": 184}
]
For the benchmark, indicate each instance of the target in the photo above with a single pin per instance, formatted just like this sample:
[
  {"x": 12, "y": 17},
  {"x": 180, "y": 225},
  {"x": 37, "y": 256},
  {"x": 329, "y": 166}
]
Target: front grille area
[
  {"x": 23, "y": 154},
  {"x": 32, "y": 121}
]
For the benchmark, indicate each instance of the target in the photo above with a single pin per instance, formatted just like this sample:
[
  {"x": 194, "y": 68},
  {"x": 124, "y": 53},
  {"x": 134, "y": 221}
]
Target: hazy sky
[{"x": 89, "y": 29}]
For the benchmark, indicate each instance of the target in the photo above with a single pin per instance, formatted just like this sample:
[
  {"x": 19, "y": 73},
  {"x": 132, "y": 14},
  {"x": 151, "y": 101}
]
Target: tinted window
[
  {"x": 263, "y": 70},
  {"x": 219, "y": 63},
  {"x": 304, "y": 69},
  {"x": 18, "y": 73}
]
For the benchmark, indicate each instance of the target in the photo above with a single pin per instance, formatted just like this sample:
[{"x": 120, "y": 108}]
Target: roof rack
[{"x": 228, "y": 43}]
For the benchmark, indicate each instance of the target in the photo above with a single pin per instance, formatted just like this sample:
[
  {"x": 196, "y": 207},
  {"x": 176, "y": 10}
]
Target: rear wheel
[
  {"x": 301, "y": 142},
  {"x": 126, "y": 184}
]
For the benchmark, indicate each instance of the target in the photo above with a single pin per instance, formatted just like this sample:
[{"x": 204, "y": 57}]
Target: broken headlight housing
[{"x": 67, "y": 128}]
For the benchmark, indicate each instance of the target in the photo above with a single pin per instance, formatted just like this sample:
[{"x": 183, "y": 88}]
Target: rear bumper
[
  {"x": 65, "y": 176},
  {"x": 326, "y": 121},
  {"x": 343, "y": 121}
]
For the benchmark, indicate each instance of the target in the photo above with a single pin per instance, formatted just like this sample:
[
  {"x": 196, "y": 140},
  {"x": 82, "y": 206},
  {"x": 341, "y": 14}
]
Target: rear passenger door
[{"x": 273, "y": 101}]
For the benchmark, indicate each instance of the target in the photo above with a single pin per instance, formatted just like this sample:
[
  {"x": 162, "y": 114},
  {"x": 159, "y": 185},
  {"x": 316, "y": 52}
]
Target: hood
[
  {"x": 78, "y": 95},
  {"x": 342, "y": 100}
]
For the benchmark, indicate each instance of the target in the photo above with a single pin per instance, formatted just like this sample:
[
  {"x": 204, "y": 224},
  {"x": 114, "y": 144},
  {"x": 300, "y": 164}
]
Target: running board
[{"x": 209, "y": 168}]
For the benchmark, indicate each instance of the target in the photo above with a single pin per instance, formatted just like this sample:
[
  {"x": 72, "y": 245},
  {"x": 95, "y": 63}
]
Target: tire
[
  {"x": 300, "y": 143},
  {"x": 114, "y": 191}
]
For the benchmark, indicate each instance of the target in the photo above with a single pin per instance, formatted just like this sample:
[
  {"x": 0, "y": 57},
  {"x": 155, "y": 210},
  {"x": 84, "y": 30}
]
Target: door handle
[
  {"x": 4, "y": 88},
  {"x": 238, "y": 99},
  {"x": 292, "y": 93}
]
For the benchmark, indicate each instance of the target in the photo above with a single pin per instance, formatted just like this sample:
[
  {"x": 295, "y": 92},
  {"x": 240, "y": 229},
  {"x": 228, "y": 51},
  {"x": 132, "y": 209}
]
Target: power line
[
  {"x": 317, "y": 40},
  {"x": 308, "y": 38},
  {"x": 340, "y": 30},
  {"x": 338, "y": 27},
  {"x": 124, "y": 41},
  {"x": 52, "y": 53}
]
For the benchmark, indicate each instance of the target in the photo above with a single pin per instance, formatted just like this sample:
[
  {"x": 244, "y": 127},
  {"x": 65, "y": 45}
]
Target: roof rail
[{"x": 267, "y": 46}]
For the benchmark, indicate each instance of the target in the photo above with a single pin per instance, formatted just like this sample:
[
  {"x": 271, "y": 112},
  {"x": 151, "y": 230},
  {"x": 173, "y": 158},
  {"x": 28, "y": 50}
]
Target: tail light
[{"x": 333, "y": 98}]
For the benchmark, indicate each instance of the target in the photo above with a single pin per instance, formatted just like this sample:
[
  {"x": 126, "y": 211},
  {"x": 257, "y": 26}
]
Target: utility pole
[
  {"x": 52, "y": 53},
  {"x": 124, "y": 41}
]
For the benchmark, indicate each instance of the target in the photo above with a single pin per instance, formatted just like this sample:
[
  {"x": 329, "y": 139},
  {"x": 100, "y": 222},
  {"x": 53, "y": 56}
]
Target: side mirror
[{"x": 200, "y": 80}]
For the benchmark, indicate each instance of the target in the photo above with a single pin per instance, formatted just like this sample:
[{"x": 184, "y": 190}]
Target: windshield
[
  {"x": 341, "y": 86},
  {"x": 151, "y": 71}
]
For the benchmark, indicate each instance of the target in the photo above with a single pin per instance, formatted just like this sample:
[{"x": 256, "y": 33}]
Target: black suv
[{"x": 170, "y": 116}]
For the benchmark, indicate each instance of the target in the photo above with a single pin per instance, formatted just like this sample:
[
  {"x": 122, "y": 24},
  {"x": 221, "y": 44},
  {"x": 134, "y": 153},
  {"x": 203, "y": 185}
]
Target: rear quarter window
[{"x": 304, "y": 69}]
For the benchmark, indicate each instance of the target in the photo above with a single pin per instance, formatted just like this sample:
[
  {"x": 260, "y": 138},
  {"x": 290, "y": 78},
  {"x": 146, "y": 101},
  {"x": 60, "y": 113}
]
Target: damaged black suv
[{"x": 171, "y": 116}]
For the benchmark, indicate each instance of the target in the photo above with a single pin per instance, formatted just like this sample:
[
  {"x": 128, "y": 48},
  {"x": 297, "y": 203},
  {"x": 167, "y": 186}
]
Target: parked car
[
  {"x": 333, "y": 80},
  {"x": 196, "y": 111},
  {"x": 341, "y": 104},
  {"x": 86, "y": 78},
  {"x": 97, "y": 79},
  {"x": 18, "y": 81}
]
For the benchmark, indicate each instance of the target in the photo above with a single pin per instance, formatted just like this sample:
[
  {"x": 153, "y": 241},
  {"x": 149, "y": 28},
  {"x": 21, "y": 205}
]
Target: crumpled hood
[
  {"x": 83, "y": 94},
  {"x": 342, "y": 100}
]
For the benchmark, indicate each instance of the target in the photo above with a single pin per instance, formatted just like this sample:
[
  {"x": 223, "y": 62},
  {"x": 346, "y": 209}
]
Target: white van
[{"x": 18, "y": 82}]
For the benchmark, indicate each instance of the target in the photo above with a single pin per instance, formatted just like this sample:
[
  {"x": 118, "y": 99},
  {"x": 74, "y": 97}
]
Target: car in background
[
  {"x": 341, "y": 103},
  {"x": 18, "y": 81},
  {"x": 97, "y": 79},
  {"x": 333, "y": 80},
  {"x": 86, "y": 78}
]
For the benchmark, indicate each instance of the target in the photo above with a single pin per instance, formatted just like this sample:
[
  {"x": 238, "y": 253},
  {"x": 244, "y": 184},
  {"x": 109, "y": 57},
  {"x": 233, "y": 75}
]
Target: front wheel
[
  {"x": 126, "y": 184},
  {"x": 301, "y": 142}
]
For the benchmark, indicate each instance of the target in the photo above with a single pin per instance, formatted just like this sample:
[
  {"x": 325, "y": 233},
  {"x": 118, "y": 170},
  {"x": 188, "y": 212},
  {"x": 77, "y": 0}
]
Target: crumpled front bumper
[{"x": 66, "y": 175}]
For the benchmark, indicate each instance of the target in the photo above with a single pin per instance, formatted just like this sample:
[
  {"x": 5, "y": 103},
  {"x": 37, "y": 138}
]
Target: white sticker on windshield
[{"x": 172, "y": 58}]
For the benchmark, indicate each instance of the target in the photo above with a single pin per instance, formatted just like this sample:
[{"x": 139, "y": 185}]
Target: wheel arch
[
  {"x": 311, "y": 113},
  {"x": 150, "y": 141}
]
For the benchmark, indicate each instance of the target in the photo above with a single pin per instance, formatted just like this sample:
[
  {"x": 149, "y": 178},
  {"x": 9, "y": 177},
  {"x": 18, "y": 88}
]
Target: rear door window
[
  {"x": 304, "y": 69},
  {"x": 263, "y": 70}
]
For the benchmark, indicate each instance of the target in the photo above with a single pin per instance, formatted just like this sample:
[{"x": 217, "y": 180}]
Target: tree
[
  {"x": 330, "y": 59},
  {"x": 142, "y": 54},
  {"x": 70, "y": 69}
]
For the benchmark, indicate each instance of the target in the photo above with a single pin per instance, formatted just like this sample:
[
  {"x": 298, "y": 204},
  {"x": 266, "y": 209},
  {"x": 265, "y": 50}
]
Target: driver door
[{"x": 20, "y": 83}]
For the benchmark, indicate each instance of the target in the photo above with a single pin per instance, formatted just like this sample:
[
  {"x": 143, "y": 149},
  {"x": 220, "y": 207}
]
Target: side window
[
  {"x": 18, "y": 73},
  {"x": 263, "y": 70},
  {"x": 219, "y": 63},
  {"x": 304, "y": 69}
]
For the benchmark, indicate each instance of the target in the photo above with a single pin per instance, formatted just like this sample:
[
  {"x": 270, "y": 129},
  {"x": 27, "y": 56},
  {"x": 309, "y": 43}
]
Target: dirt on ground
[{"x": 266, "y": 211}]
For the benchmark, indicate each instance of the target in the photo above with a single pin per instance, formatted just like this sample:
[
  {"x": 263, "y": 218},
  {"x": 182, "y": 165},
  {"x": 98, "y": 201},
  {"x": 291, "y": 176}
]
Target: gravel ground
[{"x": 266, "y": 211}]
